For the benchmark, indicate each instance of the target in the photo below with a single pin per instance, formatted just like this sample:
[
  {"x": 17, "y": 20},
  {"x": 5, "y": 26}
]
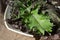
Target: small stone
[
  {"x": 46, "y": 37},
  {"x": 20, "y": 23},
  {"x": 16, "y": 23},
  {"x": 56, "y": 36},
  {"x": 54, "y": 2},
  {"x": 20, "y": 27},
  {"x": 15, "y": 26}
]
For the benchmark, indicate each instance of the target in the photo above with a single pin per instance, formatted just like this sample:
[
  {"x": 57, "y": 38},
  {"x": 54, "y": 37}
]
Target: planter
[
  {"x": 7, "y": 15},
  {"x": 8, "y": 26}
]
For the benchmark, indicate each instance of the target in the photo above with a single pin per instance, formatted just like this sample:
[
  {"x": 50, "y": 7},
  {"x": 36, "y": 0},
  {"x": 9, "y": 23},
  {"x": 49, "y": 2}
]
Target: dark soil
[{"x": 55, "y": 34}]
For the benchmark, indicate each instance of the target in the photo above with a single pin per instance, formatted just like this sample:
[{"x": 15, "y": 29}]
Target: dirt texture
[{"x": 6, "y": 34}]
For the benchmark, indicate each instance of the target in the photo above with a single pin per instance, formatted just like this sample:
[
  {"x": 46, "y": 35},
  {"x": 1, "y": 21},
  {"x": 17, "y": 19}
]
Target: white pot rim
[{"x": 12, "y": 28}]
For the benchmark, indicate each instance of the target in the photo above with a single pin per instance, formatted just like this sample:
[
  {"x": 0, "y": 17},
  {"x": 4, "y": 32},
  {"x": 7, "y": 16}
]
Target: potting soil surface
[{"x": 6, "y": 34}]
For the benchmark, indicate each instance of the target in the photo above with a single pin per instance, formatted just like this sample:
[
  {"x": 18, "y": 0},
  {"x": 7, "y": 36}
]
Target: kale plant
[{"x": 31, "y": 14}]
